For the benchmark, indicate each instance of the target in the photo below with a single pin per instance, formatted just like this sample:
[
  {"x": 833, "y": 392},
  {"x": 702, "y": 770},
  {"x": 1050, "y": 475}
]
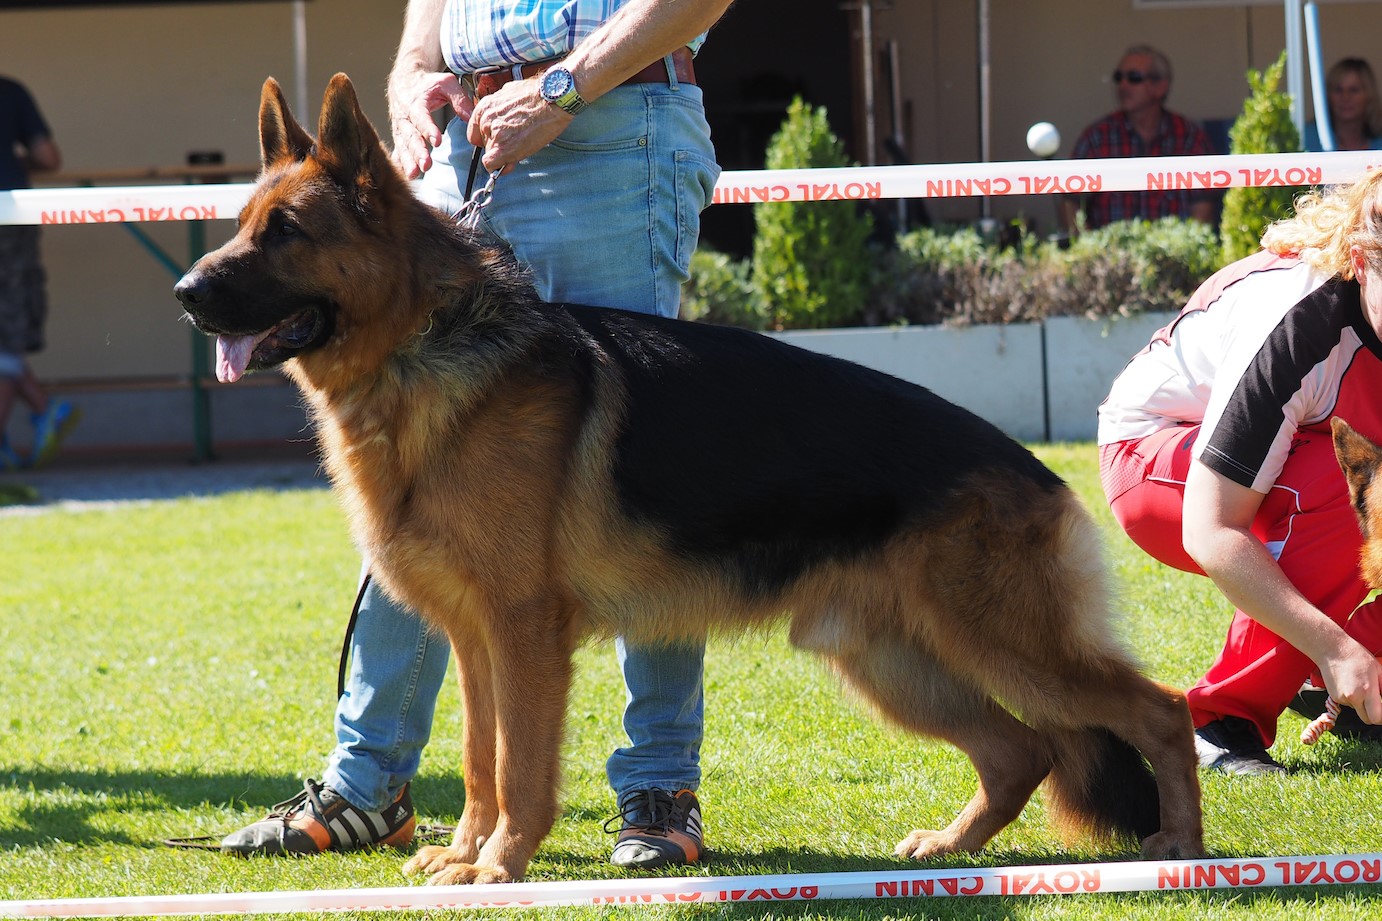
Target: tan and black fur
[
  {"x": 1361, "y": 461},
  {"x": 528, "y": 474}
]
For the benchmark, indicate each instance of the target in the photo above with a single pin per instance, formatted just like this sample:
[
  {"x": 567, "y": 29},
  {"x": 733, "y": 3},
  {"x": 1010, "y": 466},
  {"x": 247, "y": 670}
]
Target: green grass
[{"x": 168, "y": 669}]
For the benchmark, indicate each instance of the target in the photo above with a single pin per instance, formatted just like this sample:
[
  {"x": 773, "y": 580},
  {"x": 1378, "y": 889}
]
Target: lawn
[{"x": 168, "y": 669}]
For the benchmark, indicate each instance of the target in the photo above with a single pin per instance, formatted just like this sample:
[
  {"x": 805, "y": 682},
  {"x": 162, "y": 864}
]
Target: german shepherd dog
[{"x": 526, "y": 474}]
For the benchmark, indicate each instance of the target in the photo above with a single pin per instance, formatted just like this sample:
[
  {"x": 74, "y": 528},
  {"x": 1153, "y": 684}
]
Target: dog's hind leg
[
  {"x": 1154, "y": 720},
  {"x": 913, "y": 689}
]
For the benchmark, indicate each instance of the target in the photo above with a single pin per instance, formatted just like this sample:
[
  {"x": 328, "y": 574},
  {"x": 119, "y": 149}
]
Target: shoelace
[
  {"x": 657, "y": 805},
  {"x": 310, "y": 790}
]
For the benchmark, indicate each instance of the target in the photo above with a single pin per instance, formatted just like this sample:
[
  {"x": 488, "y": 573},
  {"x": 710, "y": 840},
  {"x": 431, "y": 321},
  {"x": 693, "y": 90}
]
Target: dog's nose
[{"x": 192, "y": 289}]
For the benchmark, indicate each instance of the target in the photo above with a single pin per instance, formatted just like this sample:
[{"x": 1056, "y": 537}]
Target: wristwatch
[{"x": 559, "y": 88}]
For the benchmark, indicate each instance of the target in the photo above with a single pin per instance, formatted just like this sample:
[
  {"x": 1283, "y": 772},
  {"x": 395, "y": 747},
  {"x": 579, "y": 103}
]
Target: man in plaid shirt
[{"x": 1142, "y": 127}]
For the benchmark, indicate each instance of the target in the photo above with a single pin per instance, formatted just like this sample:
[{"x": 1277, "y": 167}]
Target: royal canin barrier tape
[
  {"x": 120, "y": 204},
  {"x": 1056, "y": 879}
]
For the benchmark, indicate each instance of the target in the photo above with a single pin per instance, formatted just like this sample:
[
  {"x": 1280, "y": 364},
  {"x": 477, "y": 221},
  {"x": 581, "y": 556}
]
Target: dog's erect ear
[
  {"x": 281, "y": 138},
  {"x": 1359, "y": 458},
  {"x": 349, "y": 146}
]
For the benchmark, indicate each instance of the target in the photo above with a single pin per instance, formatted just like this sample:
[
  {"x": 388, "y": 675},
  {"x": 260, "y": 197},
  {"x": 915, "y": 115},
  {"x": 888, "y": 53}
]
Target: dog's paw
[
  {"x": 447, "y": 866},
  {"x": 924, "y": 845},
  {"x": 421, "y": 862},
  {"x": 466, "y": 874},
  {"x": 1166, "y": 845}
]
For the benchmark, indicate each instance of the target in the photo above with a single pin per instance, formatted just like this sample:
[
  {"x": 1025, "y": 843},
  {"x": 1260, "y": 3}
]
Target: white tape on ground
[
  {"x": 116, "y": 204},
  {"x": 1058, "y": 879}
]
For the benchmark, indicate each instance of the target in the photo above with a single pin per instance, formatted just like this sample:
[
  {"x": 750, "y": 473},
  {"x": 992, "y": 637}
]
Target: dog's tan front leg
[
  {"x": 481, "y": 812},
  {"x": 530, "y": 678}
]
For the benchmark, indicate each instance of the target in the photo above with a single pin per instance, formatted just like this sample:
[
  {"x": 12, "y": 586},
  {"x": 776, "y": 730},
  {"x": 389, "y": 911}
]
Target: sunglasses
[{"x": 1134, "y": 77}]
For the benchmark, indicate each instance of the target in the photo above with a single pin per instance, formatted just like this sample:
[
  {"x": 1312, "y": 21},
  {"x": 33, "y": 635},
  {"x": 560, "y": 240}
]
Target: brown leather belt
[{"x": 489, "y": 81}]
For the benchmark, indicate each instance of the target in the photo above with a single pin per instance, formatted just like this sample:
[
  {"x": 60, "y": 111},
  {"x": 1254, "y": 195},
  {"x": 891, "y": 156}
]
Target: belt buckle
[{"x": 471, "y": 81}]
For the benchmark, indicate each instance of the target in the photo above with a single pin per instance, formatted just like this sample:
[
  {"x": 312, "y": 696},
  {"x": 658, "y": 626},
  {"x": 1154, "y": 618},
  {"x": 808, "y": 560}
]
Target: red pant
[{"x": 1308, "y": 524}]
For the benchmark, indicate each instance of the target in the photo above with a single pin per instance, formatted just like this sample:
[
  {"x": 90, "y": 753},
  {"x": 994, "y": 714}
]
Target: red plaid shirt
[{"x": 1113, "y": 136}]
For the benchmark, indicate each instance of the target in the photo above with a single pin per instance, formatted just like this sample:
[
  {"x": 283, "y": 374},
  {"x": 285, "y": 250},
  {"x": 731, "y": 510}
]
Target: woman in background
[{"x": 1355, "y": 114}]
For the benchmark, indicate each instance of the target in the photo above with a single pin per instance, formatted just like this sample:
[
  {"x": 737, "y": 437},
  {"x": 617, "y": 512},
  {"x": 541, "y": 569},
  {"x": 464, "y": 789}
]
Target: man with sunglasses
[{"x": 1142, "y": 127}]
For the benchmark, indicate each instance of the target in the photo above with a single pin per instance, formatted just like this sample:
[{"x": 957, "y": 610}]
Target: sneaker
[
  {"x": 320, "y": 819},
  {"x": 1349, "y": 725},
  {"x": 51, "y": 428},
  {"x": 657, "y": 829},
  {"x": 9, "y": 457},
  {"x": 1233, "y": 745},
  {"x": 1309, "y": 701}
]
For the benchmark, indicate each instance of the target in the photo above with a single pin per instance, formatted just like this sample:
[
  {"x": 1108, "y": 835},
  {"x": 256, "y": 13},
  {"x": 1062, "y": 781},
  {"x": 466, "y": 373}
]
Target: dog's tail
[{"x": 1101, "y": 787}]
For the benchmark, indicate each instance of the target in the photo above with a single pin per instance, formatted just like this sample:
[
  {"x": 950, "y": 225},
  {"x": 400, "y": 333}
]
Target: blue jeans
[{"x": 607, "y": 215}]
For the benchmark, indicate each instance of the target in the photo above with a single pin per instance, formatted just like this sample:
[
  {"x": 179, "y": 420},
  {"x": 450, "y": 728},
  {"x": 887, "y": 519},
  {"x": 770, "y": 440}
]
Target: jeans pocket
[{"x": 695, "y": 176}]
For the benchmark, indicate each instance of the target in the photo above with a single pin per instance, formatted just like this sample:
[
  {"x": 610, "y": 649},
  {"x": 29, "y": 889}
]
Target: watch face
[{"x": 556, "y": 82}]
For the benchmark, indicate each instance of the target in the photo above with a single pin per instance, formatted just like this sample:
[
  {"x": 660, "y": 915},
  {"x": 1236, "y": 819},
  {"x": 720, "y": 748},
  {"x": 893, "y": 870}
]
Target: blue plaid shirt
[{"x": 476, "y": 34}]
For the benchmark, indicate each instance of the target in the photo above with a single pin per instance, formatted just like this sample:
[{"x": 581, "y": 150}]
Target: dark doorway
[{"x": 756, "y": 59}]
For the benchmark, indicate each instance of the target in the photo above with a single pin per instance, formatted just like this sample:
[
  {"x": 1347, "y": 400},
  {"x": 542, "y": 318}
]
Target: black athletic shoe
[
  {"x": 657, "y": 829},
  {"x": 320, "y": 819},
  {"x": 1349, "y": 725},
  {"x": 1309, "y": 703},
  {"x": 1234, "y": 746}
]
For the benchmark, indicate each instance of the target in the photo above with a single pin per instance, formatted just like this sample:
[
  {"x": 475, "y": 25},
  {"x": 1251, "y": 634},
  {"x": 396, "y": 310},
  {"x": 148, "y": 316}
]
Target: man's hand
[
  {"x": 514, "y": 122},
  {"x": 413, "y": 98}
]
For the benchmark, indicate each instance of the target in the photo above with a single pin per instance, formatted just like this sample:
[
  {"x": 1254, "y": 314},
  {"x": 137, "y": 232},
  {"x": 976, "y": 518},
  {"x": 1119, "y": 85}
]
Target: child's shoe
[{"x": 51, "y": 428}]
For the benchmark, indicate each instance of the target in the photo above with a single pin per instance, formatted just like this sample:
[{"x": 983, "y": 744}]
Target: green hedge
[
  {"x": 810, "y": 259},
  {"x": 954, "y": 276},
  {"x": 1264, "y": 126}
]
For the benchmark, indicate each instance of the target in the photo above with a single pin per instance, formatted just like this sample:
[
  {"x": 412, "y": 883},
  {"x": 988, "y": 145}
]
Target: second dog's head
[{"x": 1361, "y": 461}]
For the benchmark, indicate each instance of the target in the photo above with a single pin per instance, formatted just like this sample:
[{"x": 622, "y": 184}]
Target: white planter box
[{"x": 1035, "y": 381}]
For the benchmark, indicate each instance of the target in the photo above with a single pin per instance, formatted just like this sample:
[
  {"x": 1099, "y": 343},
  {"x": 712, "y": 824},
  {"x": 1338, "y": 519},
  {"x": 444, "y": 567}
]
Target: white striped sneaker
[
  {"x": 657, "y": 829},
  {"x": 320, "y": 819}
]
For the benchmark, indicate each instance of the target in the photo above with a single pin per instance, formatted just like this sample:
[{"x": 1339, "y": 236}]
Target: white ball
[{"x": 1043, "y": 139}]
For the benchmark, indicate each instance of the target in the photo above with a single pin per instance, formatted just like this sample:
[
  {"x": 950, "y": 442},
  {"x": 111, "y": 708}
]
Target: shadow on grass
[
  {"x": 64, "y": 803},
  {"x": 1343, "y": 757}
]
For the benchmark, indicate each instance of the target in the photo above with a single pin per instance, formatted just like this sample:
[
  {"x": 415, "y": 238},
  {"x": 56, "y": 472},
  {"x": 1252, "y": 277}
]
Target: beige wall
[{"x": 142, "y": 86}]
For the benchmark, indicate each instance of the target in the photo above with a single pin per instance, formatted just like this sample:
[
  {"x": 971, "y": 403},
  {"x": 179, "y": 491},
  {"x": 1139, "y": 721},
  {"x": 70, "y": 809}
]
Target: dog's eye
[{"x": 281, "y": 225}]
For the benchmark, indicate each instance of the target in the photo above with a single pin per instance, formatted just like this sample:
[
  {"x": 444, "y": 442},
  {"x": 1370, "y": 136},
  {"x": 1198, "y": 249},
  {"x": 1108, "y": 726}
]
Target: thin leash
[{"x": 476, "y": 200}]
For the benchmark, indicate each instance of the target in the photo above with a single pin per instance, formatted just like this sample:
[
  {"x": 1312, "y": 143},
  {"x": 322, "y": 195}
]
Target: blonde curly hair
[{"x": 1328, "y": 224}]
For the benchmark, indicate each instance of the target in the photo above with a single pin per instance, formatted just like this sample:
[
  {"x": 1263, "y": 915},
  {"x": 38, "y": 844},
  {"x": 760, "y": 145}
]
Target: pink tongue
[{"x": 232, "y": 356}]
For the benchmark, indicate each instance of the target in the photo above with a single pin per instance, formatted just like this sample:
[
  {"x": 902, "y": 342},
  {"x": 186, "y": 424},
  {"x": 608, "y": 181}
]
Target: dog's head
[
  {"x": 309, "y": 238},
  {"x": 1361, "y": 461}
]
